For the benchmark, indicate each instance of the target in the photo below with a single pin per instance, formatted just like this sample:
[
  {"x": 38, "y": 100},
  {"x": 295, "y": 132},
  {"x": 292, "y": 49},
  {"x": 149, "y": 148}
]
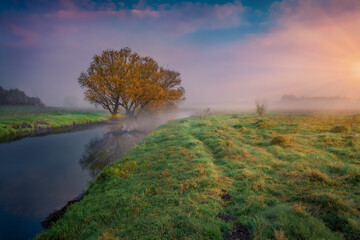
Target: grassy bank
[
  {"x": 231, "y": 177},
  {"x": 16, "y": 120}
]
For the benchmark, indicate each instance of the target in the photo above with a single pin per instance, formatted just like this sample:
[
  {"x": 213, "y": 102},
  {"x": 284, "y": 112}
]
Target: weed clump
[
  {"x": 280, "y": 140},
  {"x": 261, "y": 124},
  {"x": 339, "y": 129}
]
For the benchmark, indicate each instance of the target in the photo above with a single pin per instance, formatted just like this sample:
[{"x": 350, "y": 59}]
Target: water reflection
[
  {"x": 38, "y": 175},
  {"x": 119, "y": 138},
  {"x": 112, "y": 145}
]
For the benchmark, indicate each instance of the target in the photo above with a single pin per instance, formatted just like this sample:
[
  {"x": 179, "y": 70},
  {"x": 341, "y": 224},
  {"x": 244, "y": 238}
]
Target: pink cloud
[
  {"x": 82, "y": 15},
  {"x": 169, "y": 21},
  {"x": 24, "y": 37},
  {"x": 145, "y": 13}
]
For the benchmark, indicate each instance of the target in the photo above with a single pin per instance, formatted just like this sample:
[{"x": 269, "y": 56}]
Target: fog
[{"x": 228, "y": 53}]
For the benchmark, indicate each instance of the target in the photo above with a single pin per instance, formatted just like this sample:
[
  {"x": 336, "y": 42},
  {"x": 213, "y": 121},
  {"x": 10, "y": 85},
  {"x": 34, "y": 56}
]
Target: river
[{"x": 39, "y": 174}]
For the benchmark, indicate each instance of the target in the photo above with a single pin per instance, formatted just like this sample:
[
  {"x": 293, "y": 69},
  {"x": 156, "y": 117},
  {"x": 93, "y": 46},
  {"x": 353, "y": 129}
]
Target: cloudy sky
[{"x": 228, "y": 52}]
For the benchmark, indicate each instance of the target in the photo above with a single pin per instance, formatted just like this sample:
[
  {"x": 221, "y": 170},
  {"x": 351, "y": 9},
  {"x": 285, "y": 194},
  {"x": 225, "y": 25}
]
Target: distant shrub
[
  {"x": 280, "y": 140},
  {"x": 339, "y": 129},
  {"x": 261, "y": 106}
]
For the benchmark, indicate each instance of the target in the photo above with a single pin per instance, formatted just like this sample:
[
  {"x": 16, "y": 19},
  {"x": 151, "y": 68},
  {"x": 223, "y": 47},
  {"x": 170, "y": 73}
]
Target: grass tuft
[
  {"x": 280, "y": 140},
  {"x": 261, "y": 124}
]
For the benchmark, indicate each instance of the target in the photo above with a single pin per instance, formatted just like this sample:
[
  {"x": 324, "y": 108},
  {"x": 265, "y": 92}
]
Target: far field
[
  {"x": 228, "y": 176},
  {"x": 15, "y": 120}
]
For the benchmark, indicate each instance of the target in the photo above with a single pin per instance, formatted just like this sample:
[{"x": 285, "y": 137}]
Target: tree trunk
[
  {"x": 128, "y": 112},
  {"x": 114, "y": 113}
]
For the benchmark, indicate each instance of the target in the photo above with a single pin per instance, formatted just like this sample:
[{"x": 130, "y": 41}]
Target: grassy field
[
  {"x": 15, "y": 120},
  {"x": 228, "y": 176}
]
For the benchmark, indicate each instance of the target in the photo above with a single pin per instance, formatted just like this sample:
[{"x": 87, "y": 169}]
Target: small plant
[{"x": 261, "y": 106}]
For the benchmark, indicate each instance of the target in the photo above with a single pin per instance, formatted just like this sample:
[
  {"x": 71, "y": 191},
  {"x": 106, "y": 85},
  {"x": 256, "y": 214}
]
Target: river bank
[
  {"x": 283, "y": 176},
  {"x": 18, "y": 122}
]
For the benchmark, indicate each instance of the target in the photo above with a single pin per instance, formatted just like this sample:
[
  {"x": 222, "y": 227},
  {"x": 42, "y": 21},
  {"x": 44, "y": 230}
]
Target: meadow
[
  {"x": 18, "y": 120},
  {"x": 234, "y": 176}
]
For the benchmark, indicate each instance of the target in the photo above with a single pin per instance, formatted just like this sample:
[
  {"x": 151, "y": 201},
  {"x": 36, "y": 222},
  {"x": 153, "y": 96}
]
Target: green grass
[
  {"x": 15, "y": 120},
  {"x": 305, "y": 184}
]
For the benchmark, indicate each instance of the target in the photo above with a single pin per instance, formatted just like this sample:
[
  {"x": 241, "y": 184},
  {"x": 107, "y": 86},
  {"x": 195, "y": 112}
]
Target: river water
[{"x": 41, "y": 173}]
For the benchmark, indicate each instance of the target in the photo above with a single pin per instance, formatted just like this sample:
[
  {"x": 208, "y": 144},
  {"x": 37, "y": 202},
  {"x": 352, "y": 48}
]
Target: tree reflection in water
[{"x": 119, "y": 139}]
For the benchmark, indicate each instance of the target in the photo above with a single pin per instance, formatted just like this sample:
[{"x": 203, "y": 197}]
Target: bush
[{"x": 261, "y": 106}]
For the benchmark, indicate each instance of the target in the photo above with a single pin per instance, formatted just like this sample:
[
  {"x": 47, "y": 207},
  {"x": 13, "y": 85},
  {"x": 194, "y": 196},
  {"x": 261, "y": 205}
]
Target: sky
[{"x": 228, "y": 52}]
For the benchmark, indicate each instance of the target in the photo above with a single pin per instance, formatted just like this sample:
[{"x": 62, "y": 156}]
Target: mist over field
[
  {"x": 289, "y": 103},
  {"x": 228, "y": 53}
]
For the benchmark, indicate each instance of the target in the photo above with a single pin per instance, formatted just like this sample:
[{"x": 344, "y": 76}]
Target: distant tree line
[
  {"x": 293, "y": 98},
  {"x": 17, "y": 97}
]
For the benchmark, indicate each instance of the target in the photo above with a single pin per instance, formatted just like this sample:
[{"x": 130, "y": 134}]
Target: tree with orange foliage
[{"x": 124, "y": 79}]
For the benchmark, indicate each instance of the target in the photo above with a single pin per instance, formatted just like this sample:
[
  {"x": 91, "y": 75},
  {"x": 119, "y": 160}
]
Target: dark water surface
[{"x": 40, "y": 174}]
